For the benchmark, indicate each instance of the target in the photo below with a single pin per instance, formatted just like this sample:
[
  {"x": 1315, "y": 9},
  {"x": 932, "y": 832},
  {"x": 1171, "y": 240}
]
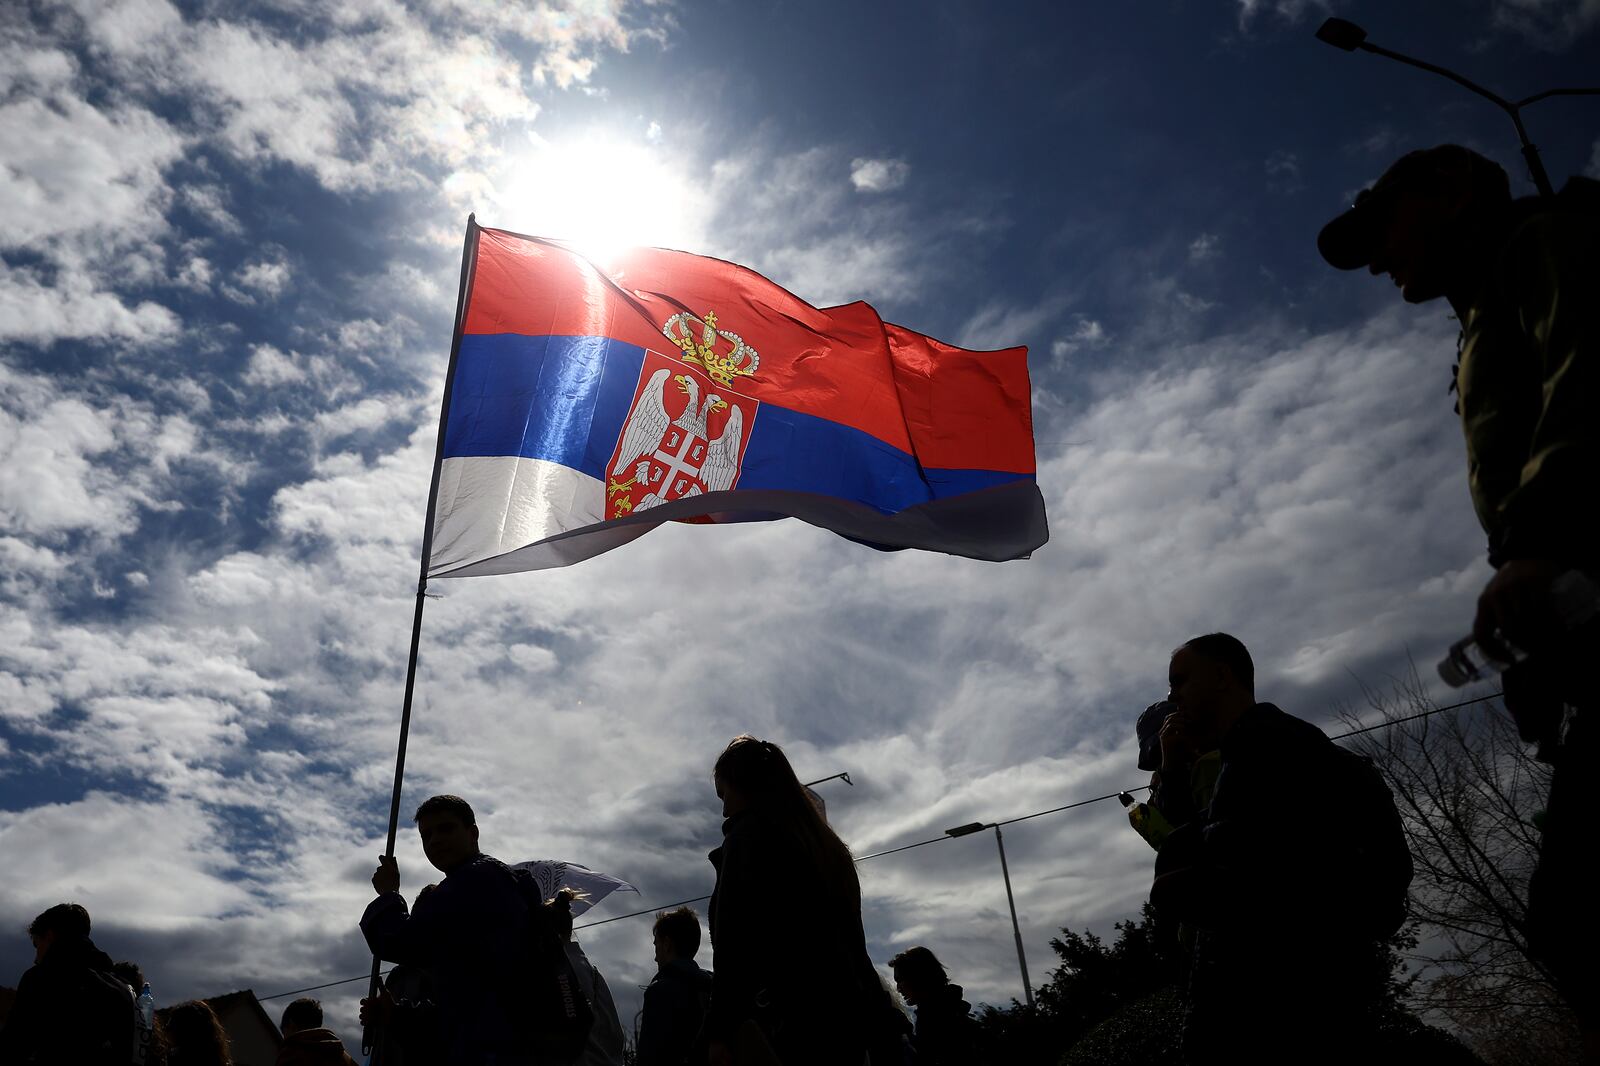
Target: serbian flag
[{"x": 587, "y": 403}]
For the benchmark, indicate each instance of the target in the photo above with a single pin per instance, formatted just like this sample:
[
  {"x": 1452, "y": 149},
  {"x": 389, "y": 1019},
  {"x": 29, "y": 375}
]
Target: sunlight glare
[{"x": 603, "y": 194}]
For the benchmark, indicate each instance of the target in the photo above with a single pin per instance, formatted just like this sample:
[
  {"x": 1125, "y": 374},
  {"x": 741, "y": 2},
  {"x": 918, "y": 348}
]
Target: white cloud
[
  {"x": 76, "y": 307},
  {"x": 82, "y": 187},
  {"x": 78, "y": 464},
  {"x": 210, "y": 203},
  {"x": 1205, "y": 248},
  {"x": 371, "y": 96},
  {"x": 73, "y": 169},
  {"x": 790, "y": 216},
  {"x": 266, "y": 279},
  {"x": 879, "y": 175},
  {"x": 73, "y": 849},
  {"x": 269, "y": 367},
  {"x": 1283, "y": 172},
  {"x": 1554, "y": 25},
  {"x": 1291, "y": 11},
  {"x": 363, "y": 107},
  {"x": 1085, "y": 333},
  {"x": 196, "y": 274},
  {"x": 36, "y": 70}
]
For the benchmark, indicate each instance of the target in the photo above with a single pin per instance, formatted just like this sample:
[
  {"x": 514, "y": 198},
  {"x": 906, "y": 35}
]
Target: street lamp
[
  {"x": 1005, "y": 872},
  {"x": 1349, "y": 37}
]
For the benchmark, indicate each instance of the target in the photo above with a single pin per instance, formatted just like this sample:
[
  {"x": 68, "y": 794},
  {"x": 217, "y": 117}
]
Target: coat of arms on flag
[{"x": 687, "y": 429}]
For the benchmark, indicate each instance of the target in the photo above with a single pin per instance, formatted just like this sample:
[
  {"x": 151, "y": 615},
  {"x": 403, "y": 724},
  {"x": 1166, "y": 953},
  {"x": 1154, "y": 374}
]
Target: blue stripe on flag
[
  {"x": 564, "y": 400},
  {"x": 797, "y": 452},
  {"x": 561, "y": 399}
]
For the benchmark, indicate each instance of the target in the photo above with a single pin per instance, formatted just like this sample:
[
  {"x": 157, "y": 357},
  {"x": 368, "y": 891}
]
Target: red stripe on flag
[
  {"x": 967, "y": 410},
  {"x": 950, "y": 407}
]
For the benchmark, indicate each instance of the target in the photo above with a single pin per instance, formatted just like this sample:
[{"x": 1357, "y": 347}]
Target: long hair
[
  {"x": 761, "y": 773},
  {"x": 195, "y": 1037}
]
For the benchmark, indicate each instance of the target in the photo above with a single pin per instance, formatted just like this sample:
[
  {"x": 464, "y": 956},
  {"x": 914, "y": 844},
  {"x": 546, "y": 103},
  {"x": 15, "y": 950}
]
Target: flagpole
[{"x": 469, "y": 256}]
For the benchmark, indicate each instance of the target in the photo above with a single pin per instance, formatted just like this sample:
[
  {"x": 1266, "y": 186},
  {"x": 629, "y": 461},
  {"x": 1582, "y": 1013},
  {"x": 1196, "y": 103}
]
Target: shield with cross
[{"x": 685, "y": 435}]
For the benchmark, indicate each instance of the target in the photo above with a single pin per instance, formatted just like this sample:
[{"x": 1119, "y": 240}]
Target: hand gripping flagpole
[{"x": 469, "y": 257}]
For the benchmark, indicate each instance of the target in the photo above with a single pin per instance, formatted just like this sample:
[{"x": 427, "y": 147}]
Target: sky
[{"x": 229, "y": 248}]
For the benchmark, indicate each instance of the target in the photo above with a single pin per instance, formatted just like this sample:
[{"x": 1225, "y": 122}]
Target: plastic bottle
[
  {"x": 1574, "y": 598},
  {"x": 144, "y": 1027},
  {"x": 147, "y": 1007}
]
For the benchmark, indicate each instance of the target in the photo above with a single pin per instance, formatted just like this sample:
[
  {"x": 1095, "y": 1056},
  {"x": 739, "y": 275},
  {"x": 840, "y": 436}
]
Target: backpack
[
  {"x": 1376, "y": 840},
  {"x": 109, "y": 1013},
  {"x": 558, "y": 1015}
]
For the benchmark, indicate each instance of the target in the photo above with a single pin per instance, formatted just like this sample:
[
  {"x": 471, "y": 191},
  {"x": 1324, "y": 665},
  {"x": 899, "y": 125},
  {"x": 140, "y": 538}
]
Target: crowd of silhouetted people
[{"x": 75, "y": 1007}]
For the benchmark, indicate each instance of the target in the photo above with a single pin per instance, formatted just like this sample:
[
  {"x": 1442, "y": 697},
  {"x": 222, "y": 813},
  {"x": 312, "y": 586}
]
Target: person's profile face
[
  {"x": 663, "y": 949},
  {"x": 1415, "y": 243},
  {"x": 1196, "y": 687},
  {"x": 906, "y": 989},
  {"x": 446, "y": 840},
  {"x": 733, "y": 801},
  {"x": 41, "y": 944}
]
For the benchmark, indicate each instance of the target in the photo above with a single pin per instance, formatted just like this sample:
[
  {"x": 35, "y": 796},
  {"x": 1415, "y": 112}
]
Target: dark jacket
[
  {"x": 945, "y": 1035},
  {"x": 675, "y": 1003},
  {"x": 471, "y": 936},
  {"x": 314, "y": 1047},
  {"x": 1286, "y": 852},
  {"x": 787, "y": 952},
  {"x": 1529, "y": 384},
  {"x": 1281, "y": 839},
  {"x": 68, "y": 1009}
]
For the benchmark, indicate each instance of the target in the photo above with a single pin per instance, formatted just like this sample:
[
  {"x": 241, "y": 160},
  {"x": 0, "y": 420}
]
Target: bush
[{"x": 1146, "y": 1033}]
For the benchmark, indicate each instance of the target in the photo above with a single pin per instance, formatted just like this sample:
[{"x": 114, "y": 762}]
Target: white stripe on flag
[{"x": 494, "y": 504}]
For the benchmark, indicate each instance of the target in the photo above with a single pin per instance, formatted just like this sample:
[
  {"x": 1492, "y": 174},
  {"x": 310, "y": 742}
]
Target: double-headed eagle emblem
[{"x": 662, "y": 457}]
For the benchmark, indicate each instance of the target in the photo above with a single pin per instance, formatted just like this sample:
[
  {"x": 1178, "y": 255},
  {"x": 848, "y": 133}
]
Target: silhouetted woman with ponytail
[{"x": 791, "y": 980}]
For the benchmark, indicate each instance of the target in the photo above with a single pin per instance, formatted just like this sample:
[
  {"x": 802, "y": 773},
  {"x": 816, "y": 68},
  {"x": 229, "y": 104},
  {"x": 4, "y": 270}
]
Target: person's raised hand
[
  {"x": 376, "y": 1011},
  {"x": 386, "y": 878},
  {"x": 1515, "y": 608},
  {"x": 1177, "y": 745}
]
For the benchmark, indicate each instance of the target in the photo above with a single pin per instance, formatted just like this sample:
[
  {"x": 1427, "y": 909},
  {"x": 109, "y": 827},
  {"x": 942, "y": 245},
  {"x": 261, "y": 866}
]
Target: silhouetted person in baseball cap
[{"x": 1523, "y": 277}]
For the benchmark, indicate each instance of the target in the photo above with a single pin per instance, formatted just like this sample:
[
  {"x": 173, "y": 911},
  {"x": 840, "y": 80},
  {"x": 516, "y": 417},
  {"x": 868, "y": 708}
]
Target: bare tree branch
[{"x": 1467, "y": 791}]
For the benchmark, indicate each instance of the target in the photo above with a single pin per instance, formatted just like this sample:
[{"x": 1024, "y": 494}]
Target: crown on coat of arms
[{"x": 722, "y": 367}]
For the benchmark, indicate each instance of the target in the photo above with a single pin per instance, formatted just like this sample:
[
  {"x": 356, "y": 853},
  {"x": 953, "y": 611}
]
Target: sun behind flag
[{"x": 587, "y": 405}]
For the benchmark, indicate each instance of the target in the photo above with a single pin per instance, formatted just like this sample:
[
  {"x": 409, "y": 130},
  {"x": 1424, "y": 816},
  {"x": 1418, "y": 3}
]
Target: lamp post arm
[
  {"x": 1541, "y": 180},
  {"x": 1536, "y": 97},
  {"x": 1499, "y": 100}
]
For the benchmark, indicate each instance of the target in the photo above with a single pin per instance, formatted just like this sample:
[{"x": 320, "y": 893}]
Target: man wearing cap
[
  {"x": 1523, "y": 277},
  {"x": 1181, "y": 779}
]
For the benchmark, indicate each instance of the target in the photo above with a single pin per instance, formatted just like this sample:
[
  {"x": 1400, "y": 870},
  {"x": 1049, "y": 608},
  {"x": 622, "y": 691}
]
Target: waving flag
[
  {"x": 552, "y": 875},
  {"x": 587, "y": 405}
]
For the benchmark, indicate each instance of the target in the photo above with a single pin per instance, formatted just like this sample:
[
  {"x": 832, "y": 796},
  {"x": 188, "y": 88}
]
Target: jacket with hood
[{"x": 945, "y": 1034}]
